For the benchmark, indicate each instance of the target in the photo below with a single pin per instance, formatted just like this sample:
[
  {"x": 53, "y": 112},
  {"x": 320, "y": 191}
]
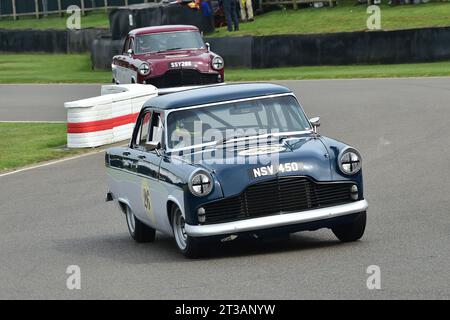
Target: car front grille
[
  {"x": 278, "y": 196},
  {"x": 182, "y": 77}
]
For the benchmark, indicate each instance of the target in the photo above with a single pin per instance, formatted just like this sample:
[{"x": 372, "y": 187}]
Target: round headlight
[
  {"x": 217, "y": 63},
  {"x": 349, "y": 161},
  {"x": 200, "y": 183},
  {"x": 144, "y": 69}
]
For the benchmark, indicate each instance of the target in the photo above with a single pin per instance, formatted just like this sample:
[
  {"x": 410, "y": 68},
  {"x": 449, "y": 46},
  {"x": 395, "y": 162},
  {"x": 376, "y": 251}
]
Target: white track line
[{"x": 51, "y": 163}]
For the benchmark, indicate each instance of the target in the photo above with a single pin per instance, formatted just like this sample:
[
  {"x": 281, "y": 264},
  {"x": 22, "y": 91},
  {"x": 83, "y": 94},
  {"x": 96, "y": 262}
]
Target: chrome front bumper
[{"x": 276, "y": 220}]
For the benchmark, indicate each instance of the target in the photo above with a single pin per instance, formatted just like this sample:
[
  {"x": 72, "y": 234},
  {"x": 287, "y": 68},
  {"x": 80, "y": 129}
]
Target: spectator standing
[
  {"x": 206, "y": 8},
  {"x": 230, "y": 8},
  {"x": 246, "y": 10},
  {"x": 207, "y": 11}
]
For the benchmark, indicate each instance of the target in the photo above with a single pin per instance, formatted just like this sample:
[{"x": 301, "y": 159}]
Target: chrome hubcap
[{"x": 179, "y": 230}]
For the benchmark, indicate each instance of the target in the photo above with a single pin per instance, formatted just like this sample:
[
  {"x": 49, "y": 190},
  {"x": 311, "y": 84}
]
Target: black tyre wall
[
  {"x": 155, "y": 14},
  {"x": 375, "y": 47},
  {"x": 103, "y": 50},
  {"x": 52, "y": 41}
]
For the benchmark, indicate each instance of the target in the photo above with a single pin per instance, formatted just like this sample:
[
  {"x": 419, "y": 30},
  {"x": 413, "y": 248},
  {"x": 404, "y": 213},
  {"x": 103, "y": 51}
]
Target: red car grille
[{"x": 182, "y": 77}]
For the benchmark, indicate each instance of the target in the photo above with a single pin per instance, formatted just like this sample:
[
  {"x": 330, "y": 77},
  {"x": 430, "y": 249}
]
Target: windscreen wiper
[
  {"x": 280, "y": 138},
  {"x": 171, "y": 49}
]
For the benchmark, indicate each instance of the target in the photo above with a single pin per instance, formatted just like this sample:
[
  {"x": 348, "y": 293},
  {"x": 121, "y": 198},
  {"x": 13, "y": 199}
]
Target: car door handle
[
  {"x": 142, "y": 157},
  {"x": 126, "y": 153}
]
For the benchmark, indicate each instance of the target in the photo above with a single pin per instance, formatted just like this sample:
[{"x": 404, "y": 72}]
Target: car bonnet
[{"x": 238, "y": 166}]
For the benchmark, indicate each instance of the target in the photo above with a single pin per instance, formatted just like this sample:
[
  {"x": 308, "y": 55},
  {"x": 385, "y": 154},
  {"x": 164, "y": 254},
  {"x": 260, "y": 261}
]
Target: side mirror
[
  {"x": 130, "y": 52},
  {"x": 315, "y": 123},
  {"x": 152, "y": 145},
  {"x": 208, "y": 46}
]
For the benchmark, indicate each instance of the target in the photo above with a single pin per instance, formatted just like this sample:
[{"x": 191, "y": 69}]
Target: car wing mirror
[
  {"x": 315, "y": 122},
  {"x": 208, "y": 46},
  {"x": 130, "y": 52},
  {"x": 153, "y": 146}
]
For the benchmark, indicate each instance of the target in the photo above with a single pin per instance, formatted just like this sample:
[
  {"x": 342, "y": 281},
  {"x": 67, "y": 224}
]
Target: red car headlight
[
  {"x": 217, "y": 63},
  {"x": 144, "y": 69}
]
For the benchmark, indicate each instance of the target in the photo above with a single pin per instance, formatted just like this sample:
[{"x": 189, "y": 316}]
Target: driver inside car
[
  {"x": 183, "y": 129},
  {"x": 147, "y": 45}
]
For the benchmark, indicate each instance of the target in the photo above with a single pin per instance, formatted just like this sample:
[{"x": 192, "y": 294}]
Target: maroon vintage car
[{"x": 166, "y": 56}]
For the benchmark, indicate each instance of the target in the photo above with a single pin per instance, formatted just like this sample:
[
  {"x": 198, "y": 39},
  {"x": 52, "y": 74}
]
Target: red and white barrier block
[{"x": 107, "y": 118}]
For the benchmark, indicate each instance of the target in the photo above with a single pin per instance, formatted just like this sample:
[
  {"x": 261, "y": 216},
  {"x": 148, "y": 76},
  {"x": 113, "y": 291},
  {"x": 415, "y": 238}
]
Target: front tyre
[
  {"x": 188, "y": 246},
  {"x": 139, "y": 231},
  {"x": 352, "y": 231}
]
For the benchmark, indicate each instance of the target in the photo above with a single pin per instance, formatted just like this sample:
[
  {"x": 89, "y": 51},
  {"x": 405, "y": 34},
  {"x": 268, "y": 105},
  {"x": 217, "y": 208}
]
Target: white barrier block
[{"x": 107, "y": 118}]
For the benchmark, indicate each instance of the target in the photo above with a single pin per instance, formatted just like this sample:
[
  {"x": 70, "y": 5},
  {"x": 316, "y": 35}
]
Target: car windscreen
[
  {"x": 166, "y": 41},
  {"x": 195, "y": 126}
]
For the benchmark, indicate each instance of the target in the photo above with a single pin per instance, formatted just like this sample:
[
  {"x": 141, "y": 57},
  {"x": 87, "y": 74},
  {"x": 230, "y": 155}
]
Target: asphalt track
[
  {"x": 41, "y": 102},
  {"x": 55, "y": 216}
]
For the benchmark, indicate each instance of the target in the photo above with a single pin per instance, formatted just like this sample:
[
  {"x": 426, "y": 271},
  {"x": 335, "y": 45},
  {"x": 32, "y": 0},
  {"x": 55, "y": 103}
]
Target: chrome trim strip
[
  {"x": 230, "y": 101},
  {"x": 134, "y": 174},
  {"x": 275, "y": 220}
]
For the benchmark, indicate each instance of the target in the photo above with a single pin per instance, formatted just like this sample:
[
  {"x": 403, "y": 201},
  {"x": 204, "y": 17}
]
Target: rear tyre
[
  {"x": 188, "y": 246},
  {"x": 139, "y": 231},
  {"x": 352, "y": 231}
]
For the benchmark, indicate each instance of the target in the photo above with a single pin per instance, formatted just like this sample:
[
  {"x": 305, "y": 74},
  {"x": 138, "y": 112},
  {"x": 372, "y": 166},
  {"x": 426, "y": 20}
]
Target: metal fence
[{"x": 40, "y": 8}]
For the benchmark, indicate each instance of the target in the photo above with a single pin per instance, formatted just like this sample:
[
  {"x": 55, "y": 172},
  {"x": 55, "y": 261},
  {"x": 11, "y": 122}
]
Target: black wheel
[
  {"x": 188, "y": 246},
  {"x": 139, "y": 231},
  {"x": 353, "y": 231}
]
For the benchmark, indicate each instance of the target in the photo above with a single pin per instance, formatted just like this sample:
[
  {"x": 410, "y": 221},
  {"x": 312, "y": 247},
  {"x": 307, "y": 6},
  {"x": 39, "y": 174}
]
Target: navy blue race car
[{"x": 235, "y": 160}]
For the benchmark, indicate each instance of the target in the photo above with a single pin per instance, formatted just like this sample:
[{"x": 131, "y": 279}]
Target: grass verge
[
  {"x": 23, "y": 144},
  {"x": 76, "y": 68},
  {"x": 434, "y": 69},
  {"x": 341, "y": 18},
  {"x": 96, "y": 19},
  {"x": 49, "y": 68}
]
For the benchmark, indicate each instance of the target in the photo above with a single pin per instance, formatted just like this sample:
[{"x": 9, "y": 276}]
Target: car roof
[
  {"x": 166, "y": 28},
  {"x": 212, "y": 94}
]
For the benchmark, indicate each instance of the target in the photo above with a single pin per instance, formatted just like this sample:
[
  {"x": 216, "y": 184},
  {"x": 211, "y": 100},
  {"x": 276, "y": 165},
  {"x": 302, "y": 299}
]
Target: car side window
[
  {"x": 144, "y": 130},
  {"x": 156, "y": 129}
]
